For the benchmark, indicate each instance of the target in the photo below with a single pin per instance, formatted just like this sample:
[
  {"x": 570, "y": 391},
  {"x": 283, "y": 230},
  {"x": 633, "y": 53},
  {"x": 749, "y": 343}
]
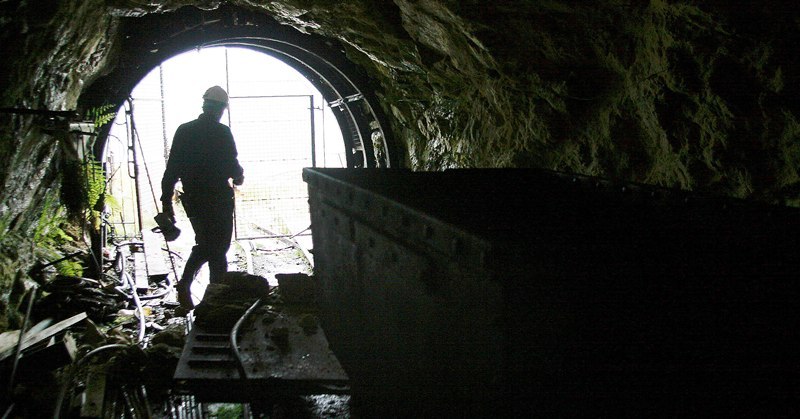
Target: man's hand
[{"x": 238, "y": 180}]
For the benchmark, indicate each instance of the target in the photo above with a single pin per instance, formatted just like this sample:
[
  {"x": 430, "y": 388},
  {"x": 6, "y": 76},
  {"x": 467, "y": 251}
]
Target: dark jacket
[{"x": 203, "y": 157}]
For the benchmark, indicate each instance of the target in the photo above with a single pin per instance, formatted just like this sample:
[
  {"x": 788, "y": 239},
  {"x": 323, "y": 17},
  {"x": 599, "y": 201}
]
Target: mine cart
[{"x": 515, "y": 291}]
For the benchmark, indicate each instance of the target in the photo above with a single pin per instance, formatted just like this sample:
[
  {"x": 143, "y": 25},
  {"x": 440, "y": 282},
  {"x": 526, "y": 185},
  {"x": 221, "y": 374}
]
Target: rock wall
[
  {"x": 51, "y": 50},
  {"x": 668, "y": 93},
  {"x": 696, "y": 95}
]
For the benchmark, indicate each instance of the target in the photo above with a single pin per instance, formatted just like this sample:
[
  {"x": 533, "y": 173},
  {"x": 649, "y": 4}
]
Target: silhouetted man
[{"x": 204, "y": 158}]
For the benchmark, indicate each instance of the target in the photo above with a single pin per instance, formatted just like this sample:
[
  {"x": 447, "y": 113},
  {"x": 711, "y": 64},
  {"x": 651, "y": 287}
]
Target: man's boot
[{"x": 183, "y": 287}]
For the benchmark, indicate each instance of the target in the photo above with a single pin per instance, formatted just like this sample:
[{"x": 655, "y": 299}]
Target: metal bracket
[
  {"x": 55, "y": 114},
  {"x": 347, "y": 99}
]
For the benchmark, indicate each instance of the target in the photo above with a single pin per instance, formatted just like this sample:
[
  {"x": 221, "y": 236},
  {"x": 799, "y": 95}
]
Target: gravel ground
[{"x": 268, "y": 257}]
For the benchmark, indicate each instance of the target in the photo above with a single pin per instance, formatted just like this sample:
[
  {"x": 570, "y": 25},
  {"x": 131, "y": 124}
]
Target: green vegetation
[
  {"x": 55, "y": 219},
  {"x": 226, "y": 411},
  {"x": 101, "y": 115},
  {"x": 82, "y": 190},
  {"x": 47, "y": 231}
]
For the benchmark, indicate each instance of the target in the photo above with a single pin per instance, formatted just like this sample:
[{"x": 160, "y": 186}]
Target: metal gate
[{"x": 275, "y": 139}]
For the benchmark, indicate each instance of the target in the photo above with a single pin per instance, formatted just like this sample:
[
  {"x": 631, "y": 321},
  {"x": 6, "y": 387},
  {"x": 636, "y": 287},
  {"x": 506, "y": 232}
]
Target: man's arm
[
  {"x": 172, "y": 173},
  {"x": 235, "y": 170}
]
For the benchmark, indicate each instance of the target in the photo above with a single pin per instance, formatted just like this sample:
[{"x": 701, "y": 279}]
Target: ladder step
[
  {"x": 212, "y": 337},
  {"x": 211, "y": 363},
  {"x": 208, "y": 350}
]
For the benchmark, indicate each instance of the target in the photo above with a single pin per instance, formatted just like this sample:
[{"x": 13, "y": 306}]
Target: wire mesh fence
[{"x": 273, "y": 136}]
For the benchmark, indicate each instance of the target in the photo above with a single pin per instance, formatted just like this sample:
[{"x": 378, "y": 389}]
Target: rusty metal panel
[
  {"x": 425, "y": 306},
  {"x": 483, "y": 291}
]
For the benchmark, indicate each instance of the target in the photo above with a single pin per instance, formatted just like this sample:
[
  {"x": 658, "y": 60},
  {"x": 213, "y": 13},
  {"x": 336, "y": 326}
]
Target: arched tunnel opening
[
  {"x": 280, "y": 124},
  {"x": 279, "y": 121},
  {"x": 544, "y": 209},
  {"x": 343, "y": 86},
  {"x": 262, "y": 249},
  {"x": 136, "y": 147}
]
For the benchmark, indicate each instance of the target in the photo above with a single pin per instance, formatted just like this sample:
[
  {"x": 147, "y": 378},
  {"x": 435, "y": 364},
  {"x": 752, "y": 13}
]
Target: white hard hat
[{"x": 217, "y": 94}]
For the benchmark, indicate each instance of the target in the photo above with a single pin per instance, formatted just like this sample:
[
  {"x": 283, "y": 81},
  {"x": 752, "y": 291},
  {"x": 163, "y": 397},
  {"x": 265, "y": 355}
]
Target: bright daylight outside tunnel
[
  {"x": 280, "y": 125},
  {"x": 511, "y": 208}
]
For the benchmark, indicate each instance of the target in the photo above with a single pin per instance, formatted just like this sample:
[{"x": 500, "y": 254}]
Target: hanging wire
[
  {"x": 163, "y": 112},
  {"x": 139, "y": 309},
  {"x": 138, "y": 141},
  {"x": 133, "y": 161}
]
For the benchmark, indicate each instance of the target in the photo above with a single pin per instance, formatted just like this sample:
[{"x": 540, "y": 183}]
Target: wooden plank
[
  {"x": 140, "y": 272},
  {"x": 157, "y": 265},
  {"x": 10, "y": 338},
  {"x": 31, "y": 339}
]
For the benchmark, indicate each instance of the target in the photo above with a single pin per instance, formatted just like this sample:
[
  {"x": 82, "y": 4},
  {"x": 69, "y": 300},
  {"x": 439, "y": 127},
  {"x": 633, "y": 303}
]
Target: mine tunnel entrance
[
  {"x": 279, "y": 121},
  {"x": 281, "y": 124},
  {"x": 335, "y": 109},
  {"x": 343, "y": 85}
]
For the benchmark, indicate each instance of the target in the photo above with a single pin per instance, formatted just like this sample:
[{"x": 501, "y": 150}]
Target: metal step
[{"x": 301, "y": 363}]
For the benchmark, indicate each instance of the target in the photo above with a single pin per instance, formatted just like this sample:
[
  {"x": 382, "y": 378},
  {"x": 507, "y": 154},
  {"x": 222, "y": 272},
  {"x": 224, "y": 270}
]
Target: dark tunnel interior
[{"x": 544, "y": 209}]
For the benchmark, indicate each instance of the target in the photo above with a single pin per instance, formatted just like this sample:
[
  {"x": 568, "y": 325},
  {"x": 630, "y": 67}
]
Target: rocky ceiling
[{"x": 693, "y": 94}]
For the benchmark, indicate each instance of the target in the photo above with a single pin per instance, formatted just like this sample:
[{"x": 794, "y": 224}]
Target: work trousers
[{"x": 212, "y": 222}]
